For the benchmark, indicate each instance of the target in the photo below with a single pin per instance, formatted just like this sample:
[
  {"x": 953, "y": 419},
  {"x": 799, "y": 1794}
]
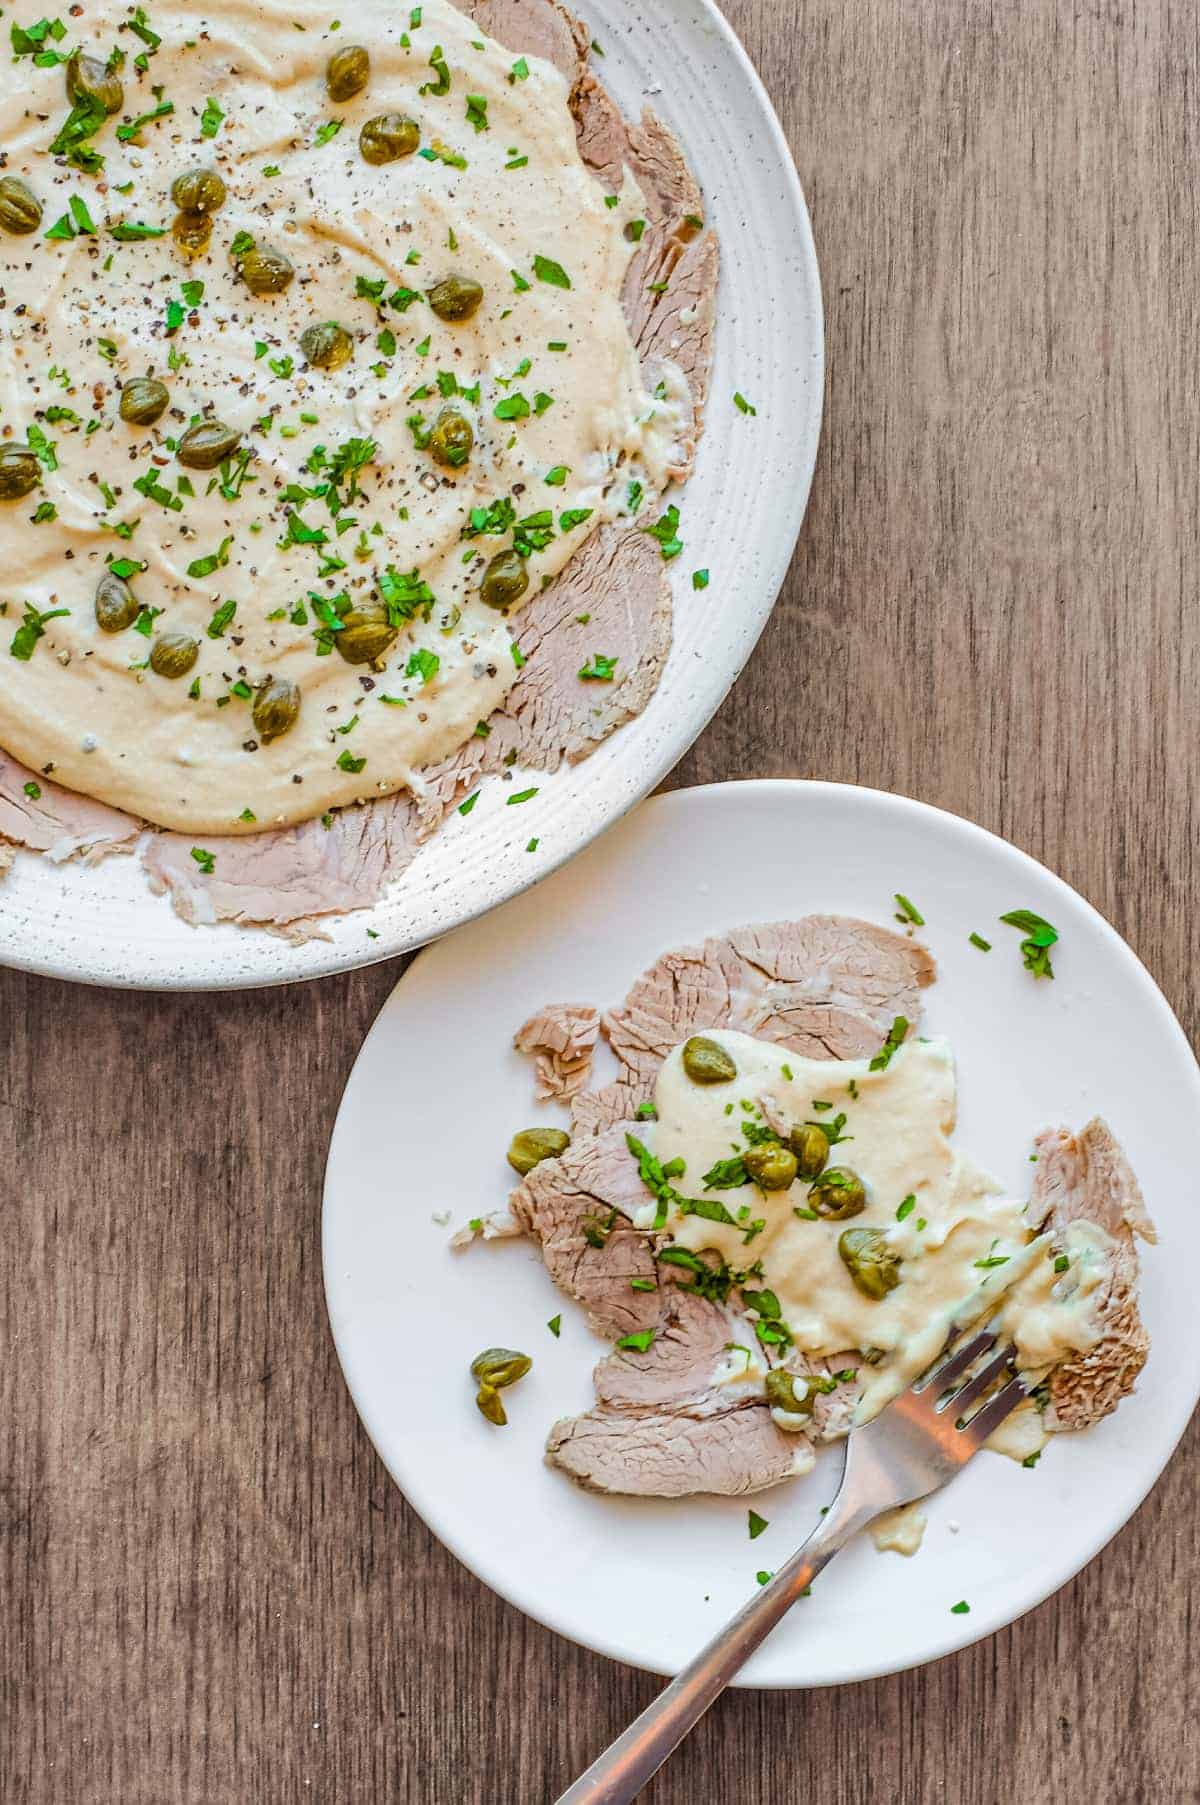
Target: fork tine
[
  {"x": 966, "y": 1356},
  {"x": 995, "y": 1410},
  {"x": 985, "y": 1377}
]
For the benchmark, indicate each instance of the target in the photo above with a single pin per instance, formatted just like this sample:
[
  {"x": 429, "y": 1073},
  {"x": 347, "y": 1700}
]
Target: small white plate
[
  {"x": 437, "y": 1092},
  {"x": 741, "y": 514}
]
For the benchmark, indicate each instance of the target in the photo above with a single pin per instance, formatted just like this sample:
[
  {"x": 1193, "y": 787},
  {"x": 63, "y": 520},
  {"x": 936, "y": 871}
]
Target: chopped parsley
[
  {"x": 960, "y": 1609},
  {"x": 666, "y": 531},
  {"x": 206, "y": 860},
  {"x": 32, "y": 627},
  {"x": 906, "y": 1207},
  {"x": 424, "y": 664},
  {"x": 221, "y": 619},
  {"x": 522, "y": 796},
  {"x": 547, "y": 270},
  {"x": 756, "y": 1524},
  {"x": 204, "y": 567},
  {"x": 599, "y": 669},
  {"x": 908, "y": 911},
  {"x": 33, "y": 791},
  {"x": 638, "y": 1343},
  {"x": 468, "y": 803},
  {"x": 555, "y": 1326},
  {"x": 985, "y": 946},
  {"x": 1039, "y": 938},
  {"x": 895, "y": 1039},
  {"x": 477, "y": 112},
  {"x": 346, "y": 761},
  {"x": 212, "y": 116},
  {"x": 742, "y": 405},
  {"x": 699, "y": 579}
]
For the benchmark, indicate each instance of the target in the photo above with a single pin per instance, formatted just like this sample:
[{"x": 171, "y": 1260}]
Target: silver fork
[{"x": 909, "y": 1450}]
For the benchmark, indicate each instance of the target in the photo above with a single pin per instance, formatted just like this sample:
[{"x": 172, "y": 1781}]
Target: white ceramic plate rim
[
  {"x": 50, "y": 933},
  {"x": 960, "y": 1631}
]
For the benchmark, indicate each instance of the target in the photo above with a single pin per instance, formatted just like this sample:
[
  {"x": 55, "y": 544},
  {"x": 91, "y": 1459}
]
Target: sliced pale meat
[
  {"x": 579, "y": 1209},
  {"x": 555, "y": 716},
  {"x": 562, "y": 1039},
  {"x": 534, "y": 28},
  {"x": 657, "y": 1454},
  {"x": 825, "y": 986},
  {"x": 688, "y": 1366},
  {"x": 1086, "y": 1177},
  {"x": 289, "y": 877},
  {"x": 45, "y": 818}
]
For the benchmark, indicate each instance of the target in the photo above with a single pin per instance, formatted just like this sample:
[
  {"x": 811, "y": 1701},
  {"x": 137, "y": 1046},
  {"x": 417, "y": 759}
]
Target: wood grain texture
[{"x": 209, "y": 1590}]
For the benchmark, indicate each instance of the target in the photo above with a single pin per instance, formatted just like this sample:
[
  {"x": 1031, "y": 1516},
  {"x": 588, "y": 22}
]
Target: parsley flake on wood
[{"x": 1039, "y": 938}]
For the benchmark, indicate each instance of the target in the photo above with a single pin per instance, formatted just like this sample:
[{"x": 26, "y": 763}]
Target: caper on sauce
[
  {"x": 173, "y": 654},
  {"x": 192, "y": 233},
  {"x": 870, "y": 1261},
  {"x": 347, "y": 72},
  {"x": 532, "y": 1145},
  {"x": 91, "y": 82},
  {"x": 707, "y": 1063},
  {"x": 795, "y": 1393},
  {"x": 20, "y": 472},
  {"x": 143, "y": 400},
  {"x": 20, "y": 209},
  {"x": 451, "y": 439},
  {"x": 276, "y": 709},
  {"x": 504, "y": 581},
  {"x": 327, "y": 345},
  {"x": 810, "y": 1144},
  {"x": 198, "y": 191},
  {"x": 838, "y": 1194},
  {"x": 771, "y": 1166},
  {"x": 207, "y": 444},
  {"x": 388, "y": 137},
  {"x": 116, "y": 605},
  {"x": 455, "y": 297},
  {"x": 367, "y": 636},
  {"x": 264, "y": 270}
]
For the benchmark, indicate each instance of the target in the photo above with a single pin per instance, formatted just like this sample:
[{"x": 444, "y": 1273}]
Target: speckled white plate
[
  {"x": 741, "y": 514},
  {"x": 437, "y": 1092}
]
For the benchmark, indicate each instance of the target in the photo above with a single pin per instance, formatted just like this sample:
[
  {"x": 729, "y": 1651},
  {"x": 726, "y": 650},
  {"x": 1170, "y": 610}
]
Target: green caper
[
  {"x": 207, "y": 444},
  {"x": 143, "y": 400},
  {"x": 529, "y": 1148},
  {"x": 869, "y": 1260},
  {"x": 198, "y": 191},
  {"x": 20, "y": 208},
  {"x": 367, "y": 636},
  {"x": 174, "y": 654},
  {"x": 795, "y": 1393},
  {"x": 264, "y": 270},
  {"x": 500, "y": 1366},
  {"x": 92, "y": 83},
  {"x": 451, "y": 439},
  {"x": 455, "y": 297},
  {"x": 388, "y": 137},
  {"x": 327, "y": 345},
  {"x": 276, "y": 709},
  {"x": 20, "y": 471},
  {"x": 192, "y": 233},
  {"x": 116, "y": 605},
  {"x": 707, "y": 1063},
  {"x": 347, "y": 72},
  {"x": 770, "y": 1166},
  {"x": 810, "y": 1144},
  {"x": 491, "y": 1405},
  {"x": 504, "y": 581},
  {"x": 838, "y": 1194}
]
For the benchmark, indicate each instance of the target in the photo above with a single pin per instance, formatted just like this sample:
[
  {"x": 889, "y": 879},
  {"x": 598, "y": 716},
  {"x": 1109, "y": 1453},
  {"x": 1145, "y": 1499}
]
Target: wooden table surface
[{"x": 209, "y": 1590}]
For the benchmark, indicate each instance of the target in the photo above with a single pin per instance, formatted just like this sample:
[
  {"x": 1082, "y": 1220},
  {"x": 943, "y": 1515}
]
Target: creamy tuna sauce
[
  {"x": 332, "y": 500},
  {"x": 965, "y": 1250}
]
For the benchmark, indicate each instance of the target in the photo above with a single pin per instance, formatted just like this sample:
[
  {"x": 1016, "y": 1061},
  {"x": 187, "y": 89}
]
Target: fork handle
[{"x": 624, "y": 1768}]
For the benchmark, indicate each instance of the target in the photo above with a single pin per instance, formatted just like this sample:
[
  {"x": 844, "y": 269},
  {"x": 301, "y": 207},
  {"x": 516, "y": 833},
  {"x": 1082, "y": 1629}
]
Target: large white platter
[
  {"x": 437, "y": 1091},
  {"x": 741, "y": 516}
]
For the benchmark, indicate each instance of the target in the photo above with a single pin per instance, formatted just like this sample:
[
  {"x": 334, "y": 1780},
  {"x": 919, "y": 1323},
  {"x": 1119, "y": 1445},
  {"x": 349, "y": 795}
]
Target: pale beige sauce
[
  {"x": 900, "y": 1531},
  {"x": 81, "y": 705},
  {"x": 901, "y": 1120}
]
